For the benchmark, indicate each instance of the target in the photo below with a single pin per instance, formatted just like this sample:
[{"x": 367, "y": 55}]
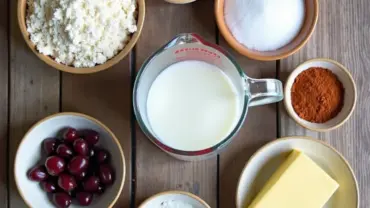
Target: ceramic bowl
[
  {"x": 180, "y": 1},
  {"x": 311, "y": 16},
  {"x": 30, "y": 150},
  {"x": 349, "y": 94},
  {"x": 267, "y": 159},
  {"x": 22, "y": 7},
  {"x": 171, "y": 196}
]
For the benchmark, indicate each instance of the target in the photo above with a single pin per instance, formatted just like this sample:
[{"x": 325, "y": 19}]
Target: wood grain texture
[
  {"x": 156, "y": 171},
  {"x": 106, "y": 96},
  {"x": 4, "y": 70},
  {"x": 34, "y": 94},
  {"x": 342, "y": 34},
  {"x": 259, "y": 128}
]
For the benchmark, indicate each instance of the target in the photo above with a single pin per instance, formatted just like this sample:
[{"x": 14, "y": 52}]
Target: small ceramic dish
[
  {"x": 311, "y": 17},
  {"x": 267, "y": 159},
  {"x": 180, "y": 1},
  {"x": 22, "y": 10},
  {"x": 184, "y": 199},
  {"x": 350, "y": 94},
  {"x": 29, "y": 154}
]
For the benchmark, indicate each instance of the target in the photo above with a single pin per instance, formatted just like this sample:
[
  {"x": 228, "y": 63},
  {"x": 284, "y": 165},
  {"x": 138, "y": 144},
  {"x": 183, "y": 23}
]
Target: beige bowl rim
[
  {"x": 305, "y": 138},
  {"x": 99, "y": 123},
  {"x": 286, "y": 90}
]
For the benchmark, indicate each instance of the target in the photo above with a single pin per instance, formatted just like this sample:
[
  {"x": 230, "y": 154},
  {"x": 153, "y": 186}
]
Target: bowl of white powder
[
  {"x": 81, "y": 36},
  {"x": 266, "y": 30},
  {"x": 174, "y": 199}
]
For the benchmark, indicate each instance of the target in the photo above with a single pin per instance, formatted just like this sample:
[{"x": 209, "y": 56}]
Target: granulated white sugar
[
  {"x": 175, "y": 204},
  {"x": 264, "y": 25}
]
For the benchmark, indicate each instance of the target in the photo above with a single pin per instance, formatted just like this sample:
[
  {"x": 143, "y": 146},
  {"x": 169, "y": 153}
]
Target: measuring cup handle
[{"x": 264, "y": 91}]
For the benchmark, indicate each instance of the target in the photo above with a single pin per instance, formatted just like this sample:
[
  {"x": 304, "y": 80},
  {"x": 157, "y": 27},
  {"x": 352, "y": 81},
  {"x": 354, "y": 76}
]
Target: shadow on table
[{"x": 229, "y": 179}]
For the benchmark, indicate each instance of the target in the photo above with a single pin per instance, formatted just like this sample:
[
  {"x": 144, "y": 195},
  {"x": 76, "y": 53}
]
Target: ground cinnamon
[{"x": 317, "y": 95}]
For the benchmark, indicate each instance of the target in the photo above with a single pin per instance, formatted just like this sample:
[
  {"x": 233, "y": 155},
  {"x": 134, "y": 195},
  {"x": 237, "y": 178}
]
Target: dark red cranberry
[
  {"x": 91, "y": 152},
  {"x": 49, "y": 186},
  {"x": 106, "y": 174},
  {"x": 38, "y": 173},
  {"x": 64, "y": 151},
  {"x": 78, "y": 164},
  {"x": 91, "y": 136},
  {"x": 50, "y": 145},
  {"x": 84, "y": 198},
  {"x": 62, "y": 200},
  {"x": 102, "y": 156},
  {"x": 73, "y": 193},
  {"x": 67, "y": 182},
  {"x": 81, "y": 176},
  {"x": 91, "y": 184},
  {"x": 70, "y": 135},
  {"x": 80, "y": 146},
  {"x": 54, "y": 165},
  {"x": 100, "y": 190},
  {"x": 93, "y": 168}
]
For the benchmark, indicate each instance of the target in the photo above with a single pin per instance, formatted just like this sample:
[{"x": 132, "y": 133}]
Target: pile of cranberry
[{"x": 74, "y": 168}]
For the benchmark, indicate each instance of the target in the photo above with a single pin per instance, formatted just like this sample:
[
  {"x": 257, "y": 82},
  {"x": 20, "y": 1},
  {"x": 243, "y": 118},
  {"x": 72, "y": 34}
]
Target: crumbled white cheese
[
  {"x": 174, "y": 204},
  {"x": 81, "y": 33}
]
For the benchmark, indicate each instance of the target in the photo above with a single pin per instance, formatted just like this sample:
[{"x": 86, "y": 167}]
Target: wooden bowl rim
[
  {"x": 21, "y": 13},
  {"x": 224, "y": 30}
]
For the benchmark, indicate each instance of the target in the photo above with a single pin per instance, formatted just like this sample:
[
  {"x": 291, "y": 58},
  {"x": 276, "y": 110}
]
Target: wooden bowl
[
  {"x": 30, "y": 153},
  {"x": 311, "y": 16},
  {"x": 22, "y": 12}
]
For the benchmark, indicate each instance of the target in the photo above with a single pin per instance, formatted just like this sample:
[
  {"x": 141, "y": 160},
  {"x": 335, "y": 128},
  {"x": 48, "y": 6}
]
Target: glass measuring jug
[{"x": 190, "y": 46}]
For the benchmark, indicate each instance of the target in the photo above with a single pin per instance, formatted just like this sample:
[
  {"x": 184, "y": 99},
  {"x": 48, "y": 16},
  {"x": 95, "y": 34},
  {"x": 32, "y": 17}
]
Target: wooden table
[{"x": 31, "y": 90}]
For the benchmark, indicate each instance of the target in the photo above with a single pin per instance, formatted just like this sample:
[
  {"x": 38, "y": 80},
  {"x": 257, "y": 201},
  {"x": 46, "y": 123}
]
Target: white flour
[
  {"x": 81, "y": 33},
  {"x": 264, "y": 25},
  {"x": 174, "y": 204}
]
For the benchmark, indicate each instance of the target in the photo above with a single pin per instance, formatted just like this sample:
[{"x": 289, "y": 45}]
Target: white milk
[{"x": 192, "y": 105}]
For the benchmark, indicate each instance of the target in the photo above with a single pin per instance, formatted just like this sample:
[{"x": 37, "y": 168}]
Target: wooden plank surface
[
  {"x": 156, "y": 171},
  {"x": 105, "y": 96},
  {"x": 34, "y": 94},
  {"x": 342, "y": 34},
  {"x": 4, "y": 183},
  {"x": 259, "y": 128}
]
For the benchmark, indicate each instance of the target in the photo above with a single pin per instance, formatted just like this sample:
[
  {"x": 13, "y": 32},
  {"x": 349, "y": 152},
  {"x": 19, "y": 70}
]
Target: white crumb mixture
[
  {"x": 175, "y": 204},
  {"x": 81, "y": 33}
]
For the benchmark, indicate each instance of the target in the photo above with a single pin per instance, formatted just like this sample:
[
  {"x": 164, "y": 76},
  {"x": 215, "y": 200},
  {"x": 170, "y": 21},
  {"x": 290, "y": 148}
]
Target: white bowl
[
  {"x": 349, "y": 94},
  {"x": 267, "y": 159},
  {"x": 170, "y": 196},
  {"x": 29, "y": 154}
]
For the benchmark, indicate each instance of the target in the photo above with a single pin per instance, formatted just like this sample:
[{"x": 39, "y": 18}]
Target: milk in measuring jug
[{"x": 192, "y": 105}]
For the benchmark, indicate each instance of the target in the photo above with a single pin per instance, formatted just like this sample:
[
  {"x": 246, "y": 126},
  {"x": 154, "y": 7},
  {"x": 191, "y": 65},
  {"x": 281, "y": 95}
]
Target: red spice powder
[{"x": 317, "y": 95}]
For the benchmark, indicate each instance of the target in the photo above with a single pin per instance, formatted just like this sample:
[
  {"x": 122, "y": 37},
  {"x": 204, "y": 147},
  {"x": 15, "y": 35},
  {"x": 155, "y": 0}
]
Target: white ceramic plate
[
  {"x": 349, "y": 94},
  {"x": 160, "y": 199},
  {"x": 266, "y": 160},
  {"x": 29, "y": 154}
]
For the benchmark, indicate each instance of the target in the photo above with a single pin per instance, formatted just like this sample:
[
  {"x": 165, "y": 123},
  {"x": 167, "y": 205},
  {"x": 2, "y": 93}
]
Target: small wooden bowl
[
  {"x": 22, "y": 12},
  {"x": 311, "y": 17},
  {"x": 350, "y": 94}
]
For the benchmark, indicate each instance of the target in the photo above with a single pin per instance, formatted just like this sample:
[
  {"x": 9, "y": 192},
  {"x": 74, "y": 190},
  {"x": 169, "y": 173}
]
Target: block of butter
[{"x": 298, "y": 183}]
